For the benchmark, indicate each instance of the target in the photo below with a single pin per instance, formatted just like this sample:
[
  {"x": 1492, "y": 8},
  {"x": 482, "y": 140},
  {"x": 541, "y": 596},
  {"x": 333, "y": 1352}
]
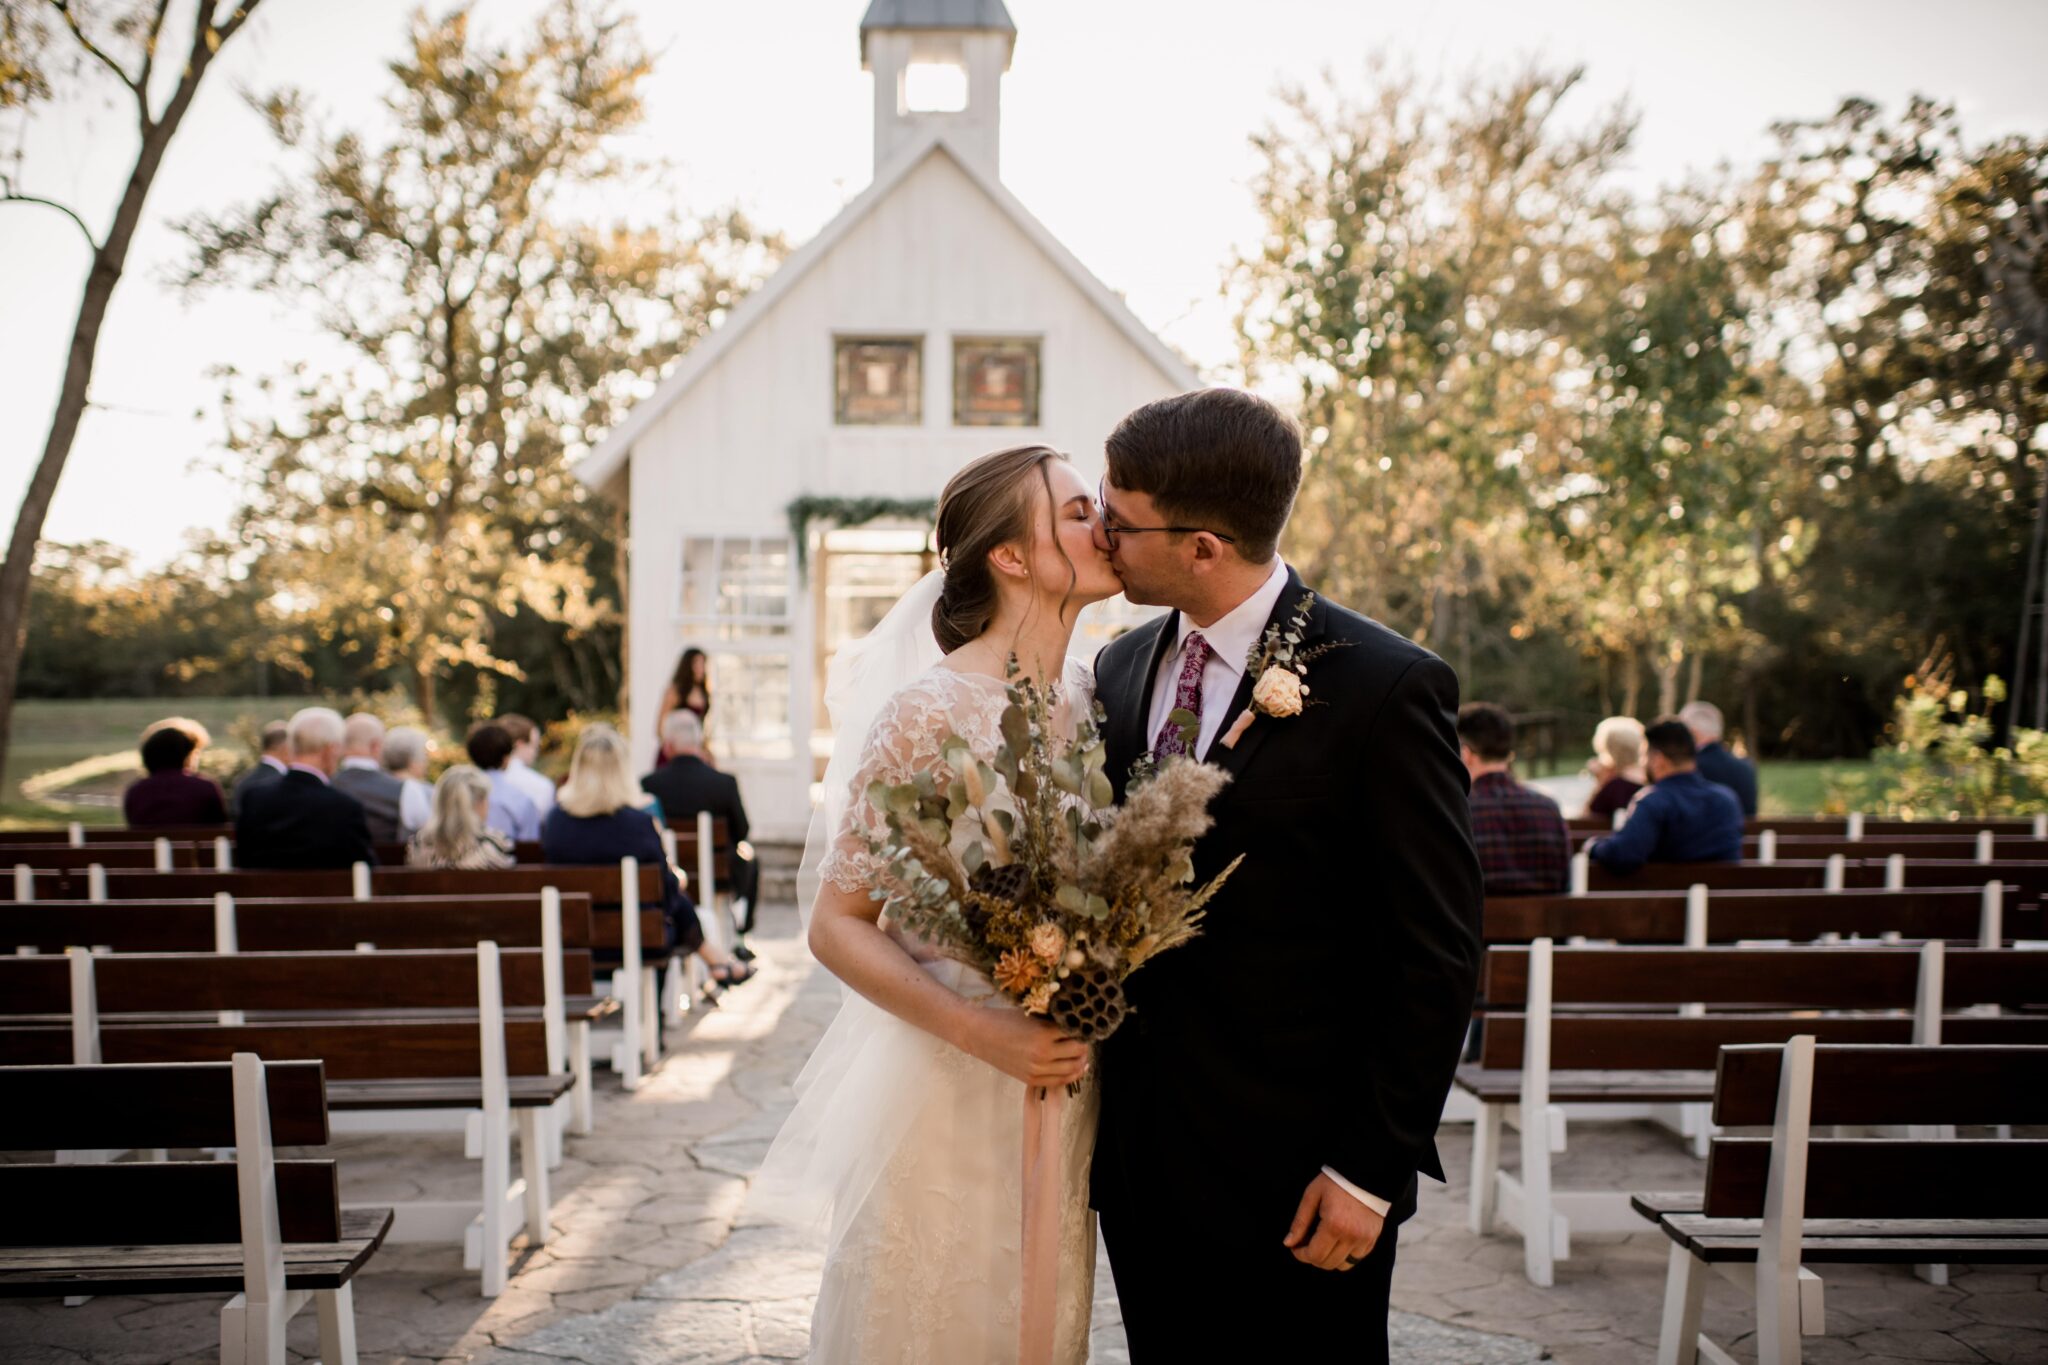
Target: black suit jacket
[
  {"x": 1319, "y": 1016},
  {"x": 300, "y": 821},
  {"x": 260, "y": 776},
  {"x": 687, "y": 784}
]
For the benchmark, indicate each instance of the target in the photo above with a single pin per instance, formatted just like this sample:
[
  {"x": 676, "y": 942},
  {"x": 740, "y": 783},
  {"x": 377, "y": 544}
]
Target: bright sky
[{"x": 1125, "y": 126}]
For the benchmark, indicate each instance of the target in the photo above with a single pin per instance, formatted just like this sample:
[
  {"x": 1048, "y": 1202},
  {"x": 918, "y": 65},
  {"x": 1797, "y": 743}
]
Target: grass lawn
[
  {"x": 1800, "y": 787},
  {"x": 51, "y": 734}
]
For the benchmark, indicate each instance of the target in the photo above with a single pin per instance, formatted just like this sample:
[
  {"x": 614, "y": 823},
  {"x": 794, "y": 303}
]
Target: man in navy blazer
[
  {"x": 1716, "y": 762},
  {"x": 301, "y": 820}
]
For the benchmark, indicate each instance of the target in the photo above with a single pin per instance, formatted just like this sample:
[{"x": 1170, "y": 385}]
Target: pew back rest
[
  {"x": 1660, "y": 916},
  {"x": 134, "y": 1204},
  {"x": 1675, "y": 1042},
  {"x": 283, "y": 925},
  {"x": 1882, "y": 1178}
]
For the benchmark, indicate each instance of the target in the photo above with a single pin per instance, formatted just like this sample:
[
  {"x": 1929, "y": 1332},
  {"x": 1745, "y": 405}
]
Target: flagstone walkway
[{"x": 653, "y": 1261}]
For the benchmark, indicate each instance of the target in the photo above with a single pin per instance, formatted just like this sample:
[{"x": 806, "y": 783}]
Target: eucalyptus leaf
[
  {"x": 1101, "y": 791},
  {"x": 975, "y": 858},
  {"x": 1016, "y": 728},
  {"x": 1097, "y": 907},
  {"x": 1071, "y": 898}
]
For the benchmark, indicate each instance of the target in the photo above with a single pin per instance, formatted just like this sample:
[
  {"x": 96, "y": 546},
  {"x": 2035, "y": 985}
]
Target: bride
[{"x": 907, "y": 1137}]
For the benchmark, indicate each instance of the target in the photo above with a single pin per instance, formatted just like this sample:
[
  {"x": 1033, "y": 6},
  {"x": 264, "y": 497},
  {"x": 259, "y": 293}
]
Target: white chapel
[{"x": 932, "y": 320}]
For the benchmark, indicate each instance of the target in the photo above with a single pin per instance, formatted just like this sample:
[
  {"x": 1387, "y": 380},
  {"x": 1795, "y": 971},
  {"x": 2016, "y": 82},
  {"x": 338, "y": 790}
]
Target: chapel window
[
  {"x": 995, "y": 381},
  {"x": 878, "y": 381}
]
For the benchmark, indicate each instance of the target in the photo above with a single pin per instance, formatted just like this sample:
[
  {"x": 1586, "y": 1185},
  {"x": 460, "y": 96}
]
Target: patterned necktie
[{"x": 1187, "y": 696}]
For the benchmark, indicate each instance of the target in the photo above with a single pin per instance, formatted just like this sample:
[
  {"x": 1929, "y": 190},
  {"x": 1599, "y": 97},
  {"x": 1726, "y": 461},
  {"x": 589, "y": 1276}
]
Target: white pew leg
[
  {"x": 579, "y": 1066},
  {"x": 534, "y": 1167},
  {"x": 672, "y": 999},
  {"x": 1685, "y": 1292},
  {"x": 1539, "y": 1235},
  {"x": 1485, "y": 1192},
  {"x": 337, "y": 1310},
  {"x": 650, "y": 1027}
]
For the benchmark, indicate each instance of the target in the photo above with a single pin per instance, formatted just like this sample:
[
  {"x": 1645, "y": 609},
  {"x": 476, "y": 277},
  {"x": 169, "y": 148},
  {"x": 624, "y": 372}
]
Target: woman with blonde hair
[
  {"x": 455, "y": 834},
  {"x": 1617, "y": 766},
  {"x": 601, "y": 816}
]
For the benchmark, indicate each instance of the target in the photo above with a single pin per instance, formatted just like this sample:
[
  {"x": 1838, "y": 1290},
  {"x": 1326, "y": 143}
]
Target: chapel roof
[{"x": 981, "y": 14}]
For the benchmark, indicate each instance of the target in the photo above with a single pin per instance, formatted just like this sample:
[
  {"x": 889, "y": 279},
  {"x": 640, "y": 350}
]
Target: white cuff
[{"x": 1371, "y": 1201}]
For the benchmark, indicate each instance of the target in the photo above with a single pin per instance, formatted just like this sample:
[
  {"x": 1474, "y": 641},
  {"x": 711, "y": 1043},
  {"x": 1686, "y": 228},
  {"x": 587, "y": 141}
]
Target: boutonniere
[{"x": 1280, "y": 665}]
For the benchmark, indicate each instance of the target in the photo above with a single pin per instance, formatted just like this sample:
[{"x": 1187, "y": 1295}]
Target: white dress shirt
[
  {"x": 1231, "y": 637},
  {"x": 415, "y": 806}
]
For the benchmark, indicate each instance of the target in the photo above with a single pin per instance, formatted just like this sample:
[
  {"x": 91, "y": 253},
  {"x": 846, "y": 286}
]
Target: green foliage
[
  {"x": 848, "y": 512},
  {"x": 1768, "y": 437},
  {"x": 415, "y": 508},
  {"x": 1942, "y": 757}
]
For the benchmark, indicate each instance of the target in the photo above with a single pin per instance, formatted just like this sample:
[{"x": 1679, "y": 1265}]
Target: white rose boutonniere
[
  {"x": 1279, "y": 692},
  {"x": 1281, "y": 668}
]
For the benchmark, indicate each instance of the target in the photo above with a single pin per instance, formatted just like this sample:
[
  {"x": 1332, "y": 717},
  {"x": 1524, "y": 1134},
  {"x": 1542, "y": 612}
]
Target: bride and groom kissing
[{"x": 1251, "y": 1138}]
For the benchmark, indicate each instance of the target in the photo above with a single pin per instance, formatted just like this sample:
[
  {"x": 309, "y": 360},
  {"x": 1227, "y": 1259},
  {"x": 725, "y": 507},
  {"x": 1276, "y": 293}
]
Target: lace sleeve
[{"x": 904, "y": 738}]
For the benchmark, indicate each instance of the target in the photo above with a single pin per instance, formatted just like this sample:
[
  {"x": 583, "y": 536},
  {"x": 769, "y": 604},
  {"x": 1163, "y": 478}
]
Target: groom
[{"x": 1269, "y": 1104}]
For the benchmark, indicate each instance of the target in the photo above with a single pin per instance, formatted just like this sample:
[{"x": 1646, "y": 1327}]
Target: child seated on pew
[{"x": 456, "y": 834}]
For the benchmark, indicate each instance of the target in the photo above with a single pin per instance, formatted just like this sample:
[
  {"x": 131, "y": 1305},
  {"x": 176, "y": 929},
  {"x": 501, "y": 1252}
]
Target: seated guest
[
  {"x": 1617, "y": 766},
  {"x": 1716, "y": 763},
  {"x": 301, "y": 820},
  {"x": 600, "y": 816},
  {"x": 513, "y": 813},
  {"x": 519, "y": 769},
  {"x": 405, "y": 758},
  {"x": 270, "y": 765},
  {"x": 455, "y": 834},
  {"x": 172, "y": 794},
  {"x": 1680, "y": 817},
  {"x": 1524, "y": 846},
  {"x": 686, "y": 784},
  {"x": 362, "y": 776}
]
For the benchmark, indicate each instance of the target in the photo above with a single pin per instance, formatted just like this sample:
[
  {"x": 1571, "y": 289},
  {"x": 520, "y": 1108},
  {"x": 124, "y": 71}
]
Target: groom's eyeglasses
[{"x": 1112, "y": 528}]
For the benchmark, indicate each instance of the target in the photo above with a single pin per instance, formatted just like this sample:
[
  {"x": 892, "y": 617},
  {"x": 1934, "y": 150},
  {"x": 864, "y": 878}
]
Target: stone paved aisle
[{"x": 652, "y": 1262}]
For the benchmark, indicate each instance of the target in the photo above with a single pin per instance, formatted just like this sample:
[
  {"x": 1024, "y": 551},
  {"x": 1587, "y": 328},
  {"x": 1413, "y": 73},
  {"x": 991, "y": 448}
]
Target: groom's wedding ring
[{"x": 1350, "y": 1261}]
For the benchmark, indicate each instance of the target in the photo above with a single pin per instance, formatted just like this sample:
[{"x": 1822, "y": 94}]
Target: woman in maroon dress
[{"x": 173, "y": 794}]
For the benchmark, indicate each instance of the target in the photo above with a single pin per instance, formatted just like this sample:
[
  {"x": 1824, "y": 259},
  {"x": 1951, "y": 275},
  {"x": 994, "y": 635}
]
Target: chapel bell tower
[{"x": 938, "y": 64}]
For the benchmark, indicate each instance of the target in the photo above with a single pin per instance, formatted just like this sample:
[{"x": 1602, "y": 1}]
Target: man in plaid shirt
[{"x": 1525, "y": 848}]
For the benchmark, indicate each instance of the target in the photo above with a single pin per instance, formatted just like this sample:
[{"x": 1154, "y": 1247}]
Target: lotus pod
[
  {"x": 1010, "y": 882},
  {"x": 1089, "y": 1005}
]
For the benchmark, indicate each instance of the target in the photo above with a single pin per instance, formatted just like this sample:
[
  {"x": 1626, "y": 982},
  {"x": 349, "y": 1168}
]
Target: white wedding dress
[{"x": 911, "y": 1150}]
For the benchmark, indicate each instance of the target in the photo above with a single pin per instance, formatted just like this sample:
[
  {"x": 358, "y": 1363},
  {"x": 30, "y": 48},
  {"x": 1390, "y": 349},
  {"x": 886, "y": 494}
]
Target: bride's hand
[{"x": 1029, "y": 1049}]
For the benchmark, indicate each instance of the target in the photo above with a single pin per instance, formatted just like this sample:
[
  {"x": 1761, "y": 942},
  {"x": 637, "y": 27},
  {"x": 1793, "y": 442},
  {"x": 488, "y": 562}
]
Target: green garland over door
[{"x": 848, "y": 512}]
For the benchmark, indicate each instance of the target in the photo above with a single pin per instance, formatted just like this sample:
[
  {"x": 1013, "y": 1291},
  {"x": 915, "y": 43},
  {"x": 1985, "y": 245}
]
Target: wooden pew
[
  {"x": 271, "y": 1233},
  {"x": 1778, "y": 1203},
  {"x": 454, "y": 1048},
  {"x": 1861, "y": 826},
  {"x": 1568, "y": 1025},
  {"x": 1974, "y": 913},
  {"x": 229, "y": 925},
  {"x": 609, "y": 886}
]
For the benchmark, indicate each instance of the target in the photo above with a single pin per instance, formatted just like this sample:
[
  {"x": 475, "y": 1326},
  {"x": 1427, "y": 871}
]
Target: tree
[
  {"x": 1899, "y": 278},
  {"x": 121, "y": 41},
  {"x": 1415, "y": 288},
  {"x": 415, "y": 502}
]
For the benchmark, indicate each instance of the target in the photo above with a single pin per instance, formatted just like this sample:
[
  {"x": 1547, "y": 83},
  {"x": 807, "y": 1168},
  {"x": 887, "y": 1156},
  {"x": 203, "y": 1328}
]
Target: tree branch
[
  {"x": 156, "y": 28},
  {"x": 63, "y": 7},
  {"x": 12, "y": 198}
]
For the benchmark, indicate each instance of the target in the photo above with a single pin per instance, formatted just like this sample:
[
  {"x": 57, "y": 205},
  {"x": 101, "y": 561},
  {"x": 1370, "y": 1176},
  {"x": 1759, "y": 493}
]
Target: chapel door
[{"x": 860, "y": 573}]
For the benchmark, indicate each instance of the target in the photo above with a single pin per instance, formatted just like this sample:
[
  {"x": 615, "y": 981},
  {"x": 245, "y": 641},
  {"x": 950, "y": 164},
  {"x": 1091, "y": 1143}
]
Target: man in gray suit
[
  {"x": 362, "y": 776},
  {"x": 270, "y": 765}
]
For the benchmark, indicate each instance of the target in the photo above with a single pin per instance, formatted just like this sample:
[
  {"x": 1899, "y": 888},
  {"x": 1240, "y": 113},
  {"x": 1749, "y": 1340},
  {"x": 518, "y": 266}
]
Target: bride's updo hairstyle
[{"x": 986, "y": 504}]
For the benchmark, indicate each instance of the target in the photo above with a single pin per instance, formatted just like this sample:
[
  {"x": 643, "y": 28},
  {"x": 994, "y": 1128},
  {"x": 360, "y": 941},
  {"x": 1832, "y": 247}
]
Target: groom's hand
[{"x": 1344, "y": 1230}]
